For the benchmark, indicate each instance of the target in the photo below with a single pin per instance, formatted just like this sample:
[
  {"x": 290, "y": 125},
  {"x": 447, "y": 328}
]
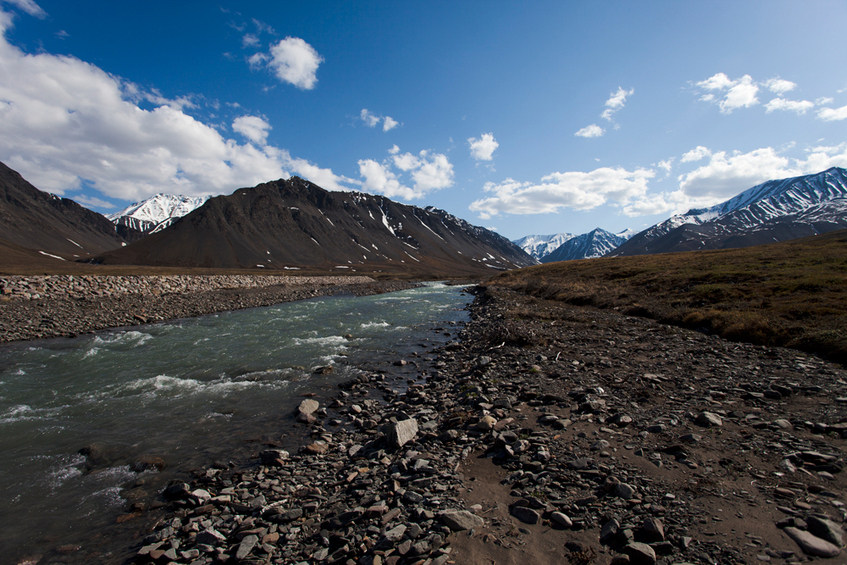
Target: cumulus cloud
[
  {"x": 695, "y": 154},
  {"x": 253, "y": 128},
  {"x": 833, "y": 114},
  {"x": 615, "y": 102},
  {"x": 797, "y": 106},
  {"x": 779, "y": 86},
  {"x": 482, "y": 149},
  {"x": 428, "y": 172},
  {"x": 292, "y": 60},
  {"x": 739, "y": 93},
  {"x": 389, "y": 123},
  {"x": 727, "y": 174},
  {"x": 573, "y": 190},
  {"x": 63, "y": 120},
  {"x": 372, "y": 120},
  {"x": 590, "y": 131}
]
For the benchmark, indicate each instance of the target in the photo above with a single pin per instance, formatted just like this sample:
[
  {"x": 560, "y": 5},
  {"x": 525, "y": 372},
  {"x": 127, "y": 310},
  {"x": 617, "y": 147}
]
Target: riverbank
[
  {"x": 547, "y": 430},
  {"x": 39, "y": 307}
]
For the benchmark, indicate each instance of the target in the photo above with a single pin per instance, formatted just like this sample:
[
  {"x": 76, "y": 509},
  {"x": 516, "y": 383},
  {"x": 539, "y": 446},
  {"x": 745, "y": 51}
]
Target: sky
[{"x": 534, "y": 117}]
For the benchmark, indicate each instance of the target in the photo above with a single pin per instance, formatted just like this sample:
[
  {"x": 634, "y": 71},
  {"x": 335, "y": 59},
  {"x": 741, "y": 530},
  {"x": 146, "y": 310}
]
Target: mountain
[
  {"x": 294, "y": 223},
  {"x": 595, "y": 243},
  {"x": 539, "y": 246},
  {"x": 155, "y": 213},
  {"x": 52, "y": 226},
  {"x": 776, "y": 210}
]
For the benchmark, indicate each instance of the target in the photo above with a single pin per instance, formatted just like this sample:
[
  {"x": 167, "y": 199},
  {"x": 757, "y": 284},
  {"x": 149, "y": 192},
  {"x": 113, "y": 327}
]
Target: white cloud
[
  {"x": 292, "y": 60},
  {"x": 28, "y": 6},
  {"x": 666, "y": 165},
  {"x": 574, "y": 190},
  {"x": 369, "y": 118},
  {"x": 428, "y": 171},
  {"x": 740, "y": 93},
  {"x": 727, "y": 174},
  {"x": 615, "y": 102},
  {"x": 696, "y": 154},
  {"x": 253, "y": 128},
  {"x": 482, "y": 149},
  {"x": 833, "y": 114},
  {"x": 590, "y": 131},
  {"x": 779, "y": 86},
  {"x": 798, "y": 106},
  {"x": 63, "y": 120},
  {"x": 372, "y": 120},
  {"x": 92, "y": 201},
  {"x": 250, "y": 40},
  {"x": 389, "y": 123}
]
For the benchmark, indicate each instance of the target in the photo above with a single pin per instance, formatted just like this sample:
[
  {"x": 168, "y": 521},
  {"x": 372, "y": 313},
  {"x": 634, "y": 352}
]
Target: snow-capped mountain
[
  {"x": 156, "y": 213},
  {"x": 539, "y": 246},
  {"x": 596, "y": 243},
  {"x": 776, "y": 210}
]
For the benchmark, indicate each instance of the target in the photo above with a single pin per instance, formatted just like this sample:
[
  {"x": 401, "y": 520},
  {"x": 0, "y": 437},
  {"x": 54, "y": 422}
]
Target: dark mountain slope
[
  {"x": 44, "y": 222},
  {"x": 293, "y": 223},
  {"x": 595, "y": 243}
]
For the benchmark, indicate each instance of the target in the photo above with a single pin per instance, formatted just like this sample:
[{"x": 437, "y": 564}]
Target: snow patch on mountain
[
  {"x": 539, "y": 246},
  {"x": 596, "y": 243},
  {"x": 156, "y": 213}
]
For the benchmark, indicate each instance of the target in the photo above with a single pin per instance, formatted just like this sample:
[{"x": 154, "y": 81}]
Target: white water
[{"x": 189, "y": 392}]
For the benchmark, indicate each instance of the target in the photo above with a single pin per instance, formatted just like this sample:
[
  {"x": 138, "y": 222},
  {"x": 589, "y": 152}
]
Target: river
[{"x": 185, "y": 393}]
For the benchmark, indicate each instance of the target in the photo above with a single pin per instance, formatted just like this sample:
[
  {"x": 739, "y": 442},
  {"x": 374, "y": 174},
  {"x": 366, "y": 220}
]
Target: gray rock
[
  {"x": 402, "y": 432},
  {"x": 306, "y": 410},
  {"x": 654, "y": 529},
  {"x": 826, "y": 530},
  {"x": 210, "y": 537},
  {"x": 246, "y": 546},
  {"x": 811, "y": 544},
  {"x": 708, "y": 420},
  {"x": 458, "y": 520},
  {"x": 562, "y": 519},
  {"x": 526, "y": 515},
  {"x": 640, "y": 553},
  {"x": 625, "y": 491}
]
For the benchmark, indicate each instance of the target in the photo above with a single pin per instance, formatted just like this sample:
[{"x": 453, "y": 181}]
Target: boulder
[{"x": 402, "y": 432}]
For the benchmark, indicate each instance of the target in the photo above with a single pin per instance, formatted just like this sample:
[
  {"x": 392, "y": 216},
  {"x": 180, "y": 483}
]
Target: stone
[
  {"x": 306, "y": 409},
  {"x": 274, "y": 457},
  {"x": 826, "y": 530},
  {"x": 210, "y": 537},
  {"x": 561, "y": 519},
  {"x": 624, "y": 491},
  {"x": 708, "y": 420},
  {"x": 811, "y": 544},
  {"x": 640, "y": 553},
  {"x": 458, "y": 520},
  {"x": 486, "y": 423},
  {"x": 246, "y": 546},
  {"x": 402, "y": 432},
  {"x": 654, "y": 529},
  {"x": 526, "y": 515}
]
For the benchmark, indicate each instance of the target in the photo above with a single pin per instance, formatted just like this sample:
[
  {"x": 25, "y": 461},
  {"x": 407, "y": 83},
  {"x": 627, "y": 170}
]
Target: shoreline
[
  {"x": 546, "y": 431},
  {"x": 67, "y": 306}
]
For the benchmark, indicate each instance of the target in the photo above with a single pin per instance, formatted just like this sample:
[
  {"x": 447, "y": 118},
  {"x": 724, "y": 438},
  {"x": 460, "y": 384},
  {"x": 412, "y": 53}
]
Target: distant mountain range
[
  {"x": 155, "y": 213},
  {"x": 776, "y": 210},
  {"x": 566, "y": 246}
]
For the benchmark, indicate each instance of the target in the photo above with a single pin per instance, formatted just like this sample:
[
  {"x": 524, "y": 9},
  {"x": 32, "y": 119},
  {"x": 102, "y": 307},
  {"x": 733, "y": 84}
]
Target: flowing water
[{"x": 187, "y": 392}]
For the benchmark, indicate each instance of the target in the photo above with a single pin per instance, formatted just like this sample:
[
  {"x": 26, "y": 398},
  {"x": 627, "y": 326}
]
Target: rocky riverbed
[
  {"x": 547, "y": 433},
  {"x": 64, "y": 305}
]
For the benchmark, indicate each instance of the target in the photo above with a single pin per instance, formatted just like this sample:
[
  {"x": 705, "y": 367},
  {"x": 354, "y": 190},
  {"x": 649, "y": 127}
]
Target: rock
[
  {"x": 708, "y": 420},
  {"x": 246, "y": 546},
  {"x": 148, "y": 463},
  {"x": 305, "y": 411},
  {"x": 486, "y": 423},
  {"x": 811, "y": 544},
  {"x": 458, "y": 520},
  {"x": 654, "y": 529},
  {"x": 562, "y": 519},
  {"x": 400, "y": 433},
  {"x": 640, "y": 553},
  {"x": 624, "y": 490},
  {"x": 317, "y": 448},
  {"x": 526, "y": 515},
  {"x": 274, "y": 457},
  {"x": 210, "y": 537},
  {"x": 826, "y": 530}
]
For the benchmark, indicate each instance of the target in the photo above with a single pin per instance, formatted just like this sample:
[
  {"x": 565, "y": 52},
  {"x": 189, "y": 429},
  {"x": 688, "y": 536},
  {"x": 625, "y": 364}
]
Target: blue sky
[{"x": 527, "y": 118}]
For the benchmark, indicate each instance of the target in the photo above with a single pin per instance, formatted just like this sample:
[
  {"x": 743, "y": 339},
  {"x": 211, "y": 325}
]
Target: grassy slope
[{"x": 790, "y": 294}]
